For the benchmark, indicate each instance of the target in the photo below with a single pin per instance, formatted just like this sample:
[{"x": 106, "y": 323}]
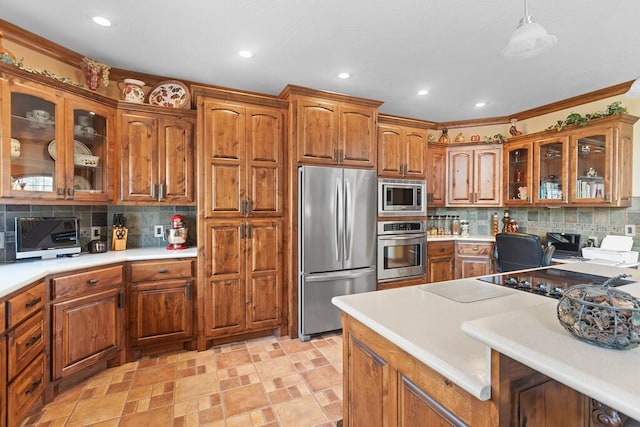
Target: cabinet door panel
[
  {"x": 357, "y": 136},
  {"x": 389, "y": 151},
  {"x": 163, "y": 312},
  {"x": 177, "y": 159},
  {"x": 85, "y": 329},
  {"x": 550, "y": 404},
  {"x": 436, "y": 176},
  {"x": 488, "y": 185},
  {"x": 264, "y": 275},
  {"x": 317, "y": 131},
  {"x": 371, "y": 381},
  {"x": 225, "y": 307},
  {"x": 224, "y": 147},
  {"x": 139, "y": 141},
  {"x": 460, "y": 177},
  {"x": 415, "y": 144},
  {"x": 417, "y": 408},
  {"x": 265, "y": 161}
]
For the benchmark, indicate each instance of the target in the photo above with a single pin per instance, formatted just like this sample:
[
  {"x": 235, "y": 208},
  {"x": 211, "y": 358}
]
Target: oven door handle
[{"x": 418, "y": 239}]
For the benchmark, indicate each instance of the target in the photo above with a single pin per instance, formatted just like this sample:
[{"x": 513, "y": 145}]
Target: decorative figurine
[
  {"x": 512, "y": 130},
  {"x": 459, "y": 137},
  {"x": 444, "y": 138}
]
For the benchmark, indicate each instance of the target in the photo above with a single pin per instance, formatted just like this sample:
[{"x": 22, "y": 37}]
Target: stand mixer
[{"x": 177, "y": 233}]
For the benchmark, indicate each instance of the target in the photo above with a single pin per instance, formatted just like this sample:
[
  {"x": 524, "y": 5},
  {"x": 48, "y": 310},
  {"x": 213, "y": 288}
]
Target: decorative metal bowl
[{"x": 600, "y": 315}]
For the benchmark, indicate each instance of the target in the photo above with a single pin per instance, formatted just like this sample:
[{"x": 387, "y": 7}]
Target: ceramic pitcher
[{"x": 132, "y": 90}]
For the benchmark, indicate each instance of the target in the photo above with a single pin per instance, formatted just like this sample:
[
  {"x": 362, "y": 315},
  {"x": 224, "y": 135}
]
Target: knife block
[{"x": 119, "y": 243}]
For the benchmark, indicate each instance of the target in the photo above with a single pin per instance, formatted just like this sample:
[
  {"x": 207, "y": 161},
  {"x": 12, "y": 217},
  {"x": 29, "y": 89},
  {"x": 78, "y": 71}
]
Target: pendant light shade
[{"x": 529, "y": 39}]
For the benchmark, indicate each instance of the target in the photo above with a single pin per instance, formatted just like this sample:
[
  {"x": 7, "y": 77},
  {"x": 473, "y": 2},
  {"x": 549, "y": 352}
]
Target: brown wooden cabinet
[
  {"x": 161, "y": 308},
  {"x": 87, "y": 315},
  {"x": 440, "y": 261},
  {"x": 52, "y": 156},
  {"x": 243, "y": 277},
  {"x": 578, "y": 166},
  {"x": 332, "y": 129},
  {"x": 402, "y": 149},
  {"x": 436, "y": 175},
  {"x": 243, "y": 157},
  {"x": 474, "y": 259},
  {"x": 156, "y": 150},
  {"x": 474, "y": 175},
  {"x": 3, "y": 380},
  {"x": 22, "y": 373}
]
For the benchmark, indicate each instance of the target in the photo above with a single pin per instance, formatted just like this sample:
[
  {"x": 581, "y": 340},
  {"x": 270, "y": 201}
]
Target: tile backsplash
[
  {"x": 585, "y": 221},
  {"x": 140, "y": 222}
]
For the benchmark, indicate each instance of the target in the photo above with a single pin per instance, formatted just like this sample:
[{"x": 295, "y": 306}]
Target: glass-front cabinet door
[
  {"x": 590, "y": 172},
  {"x": 30, "y": 121},
  {"x": 87, "y": 158},
  {"x": 57, "y": 144},
  {"x": 518, "y": 167},
  {"x": 550, "y": 173}
]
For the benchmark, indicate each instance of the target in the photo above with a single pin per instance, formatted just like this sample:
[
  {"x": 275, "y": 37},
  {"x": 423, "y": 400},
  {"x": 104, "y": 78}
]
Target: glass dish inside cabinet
[
  {"x": 33, "y": 128},
  {"x": 518, "y": 167},
  {"x": 590, "y": 167},
  {"x": 551, "y": 171},
  {"x": 89, "y": 151}
]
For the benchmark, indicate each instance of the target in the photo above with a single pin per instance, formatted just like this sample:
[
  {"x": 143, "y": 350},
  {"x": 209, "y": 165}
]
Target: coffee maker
[{"x": 176, "y": 233}]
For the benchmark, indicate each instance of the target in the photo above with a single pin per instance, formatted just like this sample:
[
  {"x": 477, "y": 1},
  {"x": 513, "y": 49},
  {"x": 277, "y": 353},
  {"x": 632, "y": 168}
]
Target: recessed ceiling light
[
  {"x": 344, "y": 75},
  {"x": 480, "y": 104},
  {"x": 104, "y": 22},
  {"x": 423, "y": 92},
  {"x": 245, "y": 53}
]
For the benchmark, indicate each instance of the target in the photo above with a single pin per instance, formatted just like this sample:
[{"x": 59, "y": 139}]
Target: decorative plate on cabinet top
[
  {"x": 170, "y": 93},
  {"x": 78, "y": 148}
]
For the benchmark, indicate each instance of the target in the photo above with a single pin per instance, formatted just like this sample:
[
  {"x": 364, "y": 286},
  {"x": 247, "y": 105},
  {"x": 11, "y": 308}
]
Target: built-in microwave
[{"x": 401, "y": 197}]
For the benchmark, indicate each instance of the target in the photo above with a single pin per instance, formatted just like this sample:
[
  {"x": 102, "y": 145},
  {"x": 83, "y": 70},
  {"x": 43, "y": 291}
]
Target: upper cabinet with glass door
[
  {"x": 518, "y": 168},
  {"x": 57, "y": 144},
  {"x": 550, "y": 170}
]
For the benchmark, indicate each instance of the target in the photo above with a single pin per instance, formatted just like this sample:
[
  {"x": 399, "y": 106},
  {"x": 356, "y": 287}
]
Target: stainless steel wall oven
[{"x": 401, "y": 249}]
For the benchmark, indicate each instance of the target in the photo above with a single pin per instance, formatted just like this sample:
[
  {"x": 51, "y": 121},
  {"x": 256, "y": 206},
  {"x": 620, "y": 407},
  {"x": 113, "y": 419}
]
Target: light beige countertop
[
  {"x": 454, "y": 338},
  {"x": 471, "y": 238},
  {"x": 22, "y": 273}
]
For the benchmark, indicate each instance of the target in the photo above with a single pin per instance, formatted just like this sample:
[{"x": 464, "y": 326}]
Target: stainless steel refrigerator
[{"x": 336, "y": 242}]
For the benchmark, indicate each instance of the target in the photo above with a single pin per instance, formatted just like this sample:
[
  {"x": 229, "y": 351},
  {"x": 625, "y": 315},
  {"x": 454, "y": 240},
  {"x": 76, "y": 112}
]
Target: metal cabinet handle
[
  {"x": 335, "y": 155},
  {"x": 161, "y": 192},
  {"x": 188, "y": 289},
  {"x": 162, "y": 270},
  {"x": 70, "y": 191},
  {"x": 249, "y": 231},
  {"x": 60, "y": 191},
  {"x": 33, "y": 302},
  {"x": 153, "y": 191},
  {"x": 34, "y": 386},
  {"x": 249, "y": 207},
  {"x": 242, "y": 231},
  {"x": 92, "y": 281},
  {"x": 34, "y": 339}
]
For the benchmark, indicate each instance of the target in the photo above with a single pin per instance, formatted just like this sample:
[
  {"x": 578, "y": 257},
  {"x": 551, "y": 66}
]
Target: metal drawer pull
[
  {"x": 162, "y": 270},
  {"x": 92, "y": 281},
  {"x": 33, "y": 302},
  {"x": 34, "y": 386},
  {"x": 34, "y": 339}
]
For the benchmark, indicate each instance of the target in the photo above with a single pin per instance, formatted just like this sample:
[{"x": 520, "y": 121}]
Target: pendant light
[{"x": 529, "y": 39}]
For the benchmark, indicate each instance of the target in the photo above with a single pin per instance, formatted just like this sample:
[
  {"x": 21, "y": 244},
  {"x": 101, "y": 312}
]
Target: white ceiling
[{"x": 392, "y": 48}]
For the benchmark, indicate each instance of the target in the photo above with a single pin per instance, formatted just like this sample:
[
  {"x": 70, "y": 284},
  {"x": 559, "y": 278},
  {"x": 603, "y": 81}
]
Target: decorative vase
[
  {"x": 94, "y": 73},
  {"x": 444, "y": 138},
  {"x": 132, "y": 90}
]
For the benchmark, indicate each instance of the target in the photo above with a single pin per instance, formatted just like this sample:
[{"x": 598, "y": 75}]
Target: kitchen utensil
[
  {"x": 177, "y": 237},
  {"x": 600, "y": 315},
  {"x": 97, "y": 246}
]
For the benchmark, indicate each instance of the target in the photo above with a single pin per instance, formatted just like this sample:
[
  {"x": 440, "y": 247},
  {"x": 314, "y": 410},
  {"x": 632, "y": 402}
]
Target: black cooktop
[{"x": 550, "y": 282}]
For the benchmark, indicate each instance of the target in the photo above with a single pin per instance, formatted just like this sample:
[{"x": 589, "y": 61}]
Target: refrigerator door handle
[
  {"x": 338, "y": 276},
  {"x": 338, "y": 221},
  {"x": 348, "y": 220}
]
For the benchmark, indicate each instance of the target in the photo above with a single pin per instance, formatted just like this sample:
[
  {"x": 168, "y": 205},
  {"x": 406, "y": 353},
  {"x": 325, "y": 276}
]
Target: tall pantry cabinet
[{"x": 241, "y": 181}]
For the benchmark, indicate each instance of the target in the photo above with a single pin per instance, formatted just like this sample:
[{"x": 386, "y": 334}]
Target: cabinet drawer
[
  {"x": 475, "y": 249},
  {"x": 25, "y": 391},
  {"x": 439, "y": 248},
  {"x": 25, "y": 304},
  {"x": 25, "y": 342},
  {"x": 80, "y": 283},
  {"x": 160, "y": 270}
]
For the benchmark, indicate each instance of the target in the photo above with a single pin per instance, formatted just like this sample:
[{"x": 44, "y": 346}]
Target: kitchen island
[{"x": 469, "y": 352}]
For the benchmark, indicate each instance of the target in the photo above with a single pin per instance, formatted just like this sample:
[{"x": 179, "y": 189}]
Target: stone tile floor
[{"x": 272, "y": 381}]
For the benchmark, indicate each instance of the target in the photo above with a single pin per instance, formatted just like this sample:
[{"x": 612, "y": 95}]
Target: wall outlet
[
  {"x": 158, "y": 231},
  {"x": 95, "y": 233},
  {"x": 594, "y": 239},
  {"x": 630, "y": 230}
]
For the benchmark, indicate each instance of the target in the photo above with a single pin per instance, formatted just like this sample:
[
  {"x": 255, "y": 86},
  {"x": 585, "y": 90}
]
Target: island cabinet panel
[{"x": 385, "y": 386}]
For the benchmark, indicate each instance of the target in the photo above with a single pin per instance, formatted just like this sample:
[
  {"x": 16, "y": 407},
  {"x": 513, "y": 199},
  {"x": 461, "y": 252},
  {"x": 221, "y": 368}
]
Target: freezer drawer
[{"x": 316, "y": 312}]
